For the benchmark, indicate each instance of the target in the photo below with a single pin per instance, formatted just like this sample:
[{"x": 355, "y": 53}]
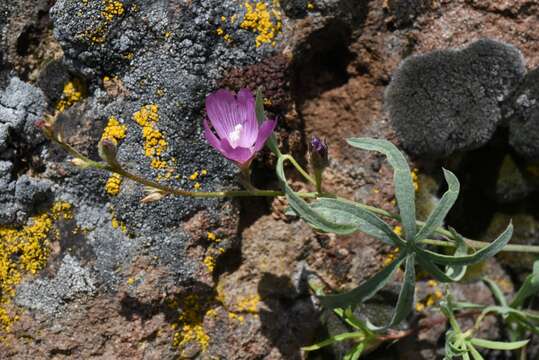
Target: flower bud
[
  {"x": 46, "y": 127},
  {"x": 107, "y": 150},
  {"x": 318, "y": 154},
  {"x": 80, "y": 163}
]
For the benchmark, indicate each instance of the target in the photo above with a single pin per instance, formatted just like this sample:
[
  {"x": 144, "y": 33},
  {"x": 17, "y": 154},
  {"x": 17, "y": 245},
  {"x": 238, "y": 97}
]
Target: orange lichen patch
[
  {"x": 190, "y": 323},
  {"x": 266, "y": 22},
  {"x": 155, "y": 144},
  {"x": 114, "y": 182},
  {"x": 24, "y": 251},
  {"x": 73, "y": 92}
]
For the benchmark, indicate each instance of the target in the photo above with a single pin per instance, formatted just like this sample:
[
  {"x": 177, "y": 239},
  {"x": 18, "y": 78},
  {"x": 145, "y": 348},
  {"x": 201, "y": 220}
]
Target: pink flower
[{"x": 233, "y": 117}]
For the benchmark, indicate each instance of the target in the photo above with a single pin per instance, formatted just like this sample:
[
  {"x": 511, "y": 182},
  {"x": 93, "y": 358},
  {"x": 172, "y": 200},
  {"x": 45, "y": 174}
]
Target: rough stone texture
[
  {"x": 524, "y": 117},
  {"x": 110, "y": 294},
  {"x": 448, "y": 100}
]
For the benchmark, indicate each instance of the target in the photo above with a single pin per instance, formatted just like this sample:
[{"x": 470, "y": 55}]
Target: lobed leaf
[
  {"x": 457, "y": 272},
  {"x": 304, "y": 210},
  {"x": 492, "y": 249},
  {"x": 365, "y": 291},
  {"x": 333, "y": 340},
  {"x": 498, "y": 345},
  {"x": 404, "y": 188},
  {"x": 529, "y": 288},
  {"x": 436, "y": 218},
  {"x": 342, "y": 212}
]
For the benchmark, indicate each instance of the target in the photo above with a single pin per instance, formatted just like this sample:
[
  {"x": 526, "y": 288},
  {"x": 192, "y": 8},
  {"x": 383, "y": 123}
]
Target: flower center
[{"x": 235, "y": 135}]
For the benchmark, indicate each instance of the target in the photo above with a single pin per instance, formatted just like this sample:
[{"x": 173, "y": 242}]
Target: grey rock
[
  {"x": 449, "y": 100},
  {"x": 523, "y": 108},
  {"x": 49, "y": 295},
  {"x": 31, "y": 192}
]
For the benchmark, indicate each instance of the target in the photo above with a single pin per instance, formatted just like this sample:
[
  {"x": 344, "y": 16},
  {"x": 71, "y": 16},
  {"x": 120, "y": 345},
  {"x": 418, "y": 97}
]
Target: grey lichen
[{"x": 449, "y": 100}]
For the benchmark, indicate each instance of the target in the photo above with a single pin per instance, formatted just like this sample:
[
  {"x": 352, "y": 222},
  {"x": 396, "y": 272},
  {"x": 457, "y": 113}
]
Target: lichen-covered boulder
[
  {"x": 449, "y": 100},
  {"x": 523, "y": 113}
]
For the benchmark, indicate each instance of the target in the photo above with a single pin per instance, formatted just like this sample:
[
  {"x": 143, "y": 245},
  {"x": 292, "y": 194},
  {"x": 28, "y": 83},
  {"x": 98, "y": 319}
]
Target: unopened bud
[
  {"x": 318, "y": 154},
  {"x": 107, "y": 150},
  {"x": 80, "y": 163},
  {"x": 46, "y": 127},
  {"x": 153, "y": 197}
]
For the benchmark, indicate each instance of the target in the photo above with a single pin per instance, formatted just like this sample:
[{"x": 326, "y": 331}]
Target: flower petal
[
  {"x": 222, "y": 110},
  {"x": 265, "y": 131},
  {"x": 246, "y": 109},
  {"x": 240, "y": 155},
  {"x": 211, "y": 138}
]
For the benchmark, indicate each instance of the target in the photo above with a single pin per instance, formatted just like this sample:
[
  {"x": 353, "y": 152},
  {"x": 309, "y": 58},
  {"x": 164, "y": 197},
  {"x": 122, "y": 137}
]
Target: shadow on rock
[{"x": 289, "y": 319}]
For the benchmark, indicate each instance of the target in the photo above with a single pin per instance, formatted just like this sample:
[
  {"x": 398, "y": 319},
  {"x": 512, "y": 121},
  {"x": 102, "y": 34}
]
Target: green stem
[
  {"x": 298, "y": 167},
  {"x": 443, "y": 232},
  {"x": 116, "y": 168}
]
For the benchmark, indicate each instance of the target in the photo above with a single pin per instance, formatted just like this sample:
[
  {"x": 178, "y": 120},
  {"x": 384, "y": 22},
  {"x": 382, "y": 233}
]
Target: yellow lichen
[
  {"x": 391, "y": 256},
  {"x": 191, "y": 321},
  {"x": 398, "y": 230},
  {"x": 194, "y": 176},
  {"x": 209, "y": 261},
  {"x": 435, "y": 294},
  {"x": 415, "y": 179},
  {"x": 24, "y": 251},
  {"x": 213, "y": 237},
  {"x": 114, "y": 182},
  {"x": 113, "y": 8},
  {"x": 155, "y": 144},
  {"x": 114, "y": 130},
  {"x": 197, "y": 186},
  {"x": 73, "y": 92},
  {"x": 117, "y": 224},
  {"x": 310, "y": 6},
  {"x": 204, "y": 172},
  {"x": 266, "y": 22}
]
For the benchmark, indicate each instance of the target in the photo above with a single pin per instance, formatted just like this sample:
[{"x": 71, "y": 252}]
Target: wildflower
[{"x": 239, "y": 136}]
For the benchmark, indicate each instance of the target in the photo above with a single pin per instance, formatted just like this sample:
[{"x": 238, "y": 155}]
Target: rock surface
[{"x": 186, "y": 278}]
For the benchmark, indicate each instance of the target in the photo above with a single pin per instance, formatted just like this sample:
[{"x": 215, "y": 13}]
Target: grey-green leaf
[
  {"x": 404, "y": 188},
  {"x": 365, "y": 291},
  {"x": 436, "y": 218},
  {"x": 497, "y": 292},
  {"x": 304, "y": 210},
  {"x": 406, "y": 296},
  {"x": 343, "y": 212},
  {"x": 333, "y": 339},
  {"x": 529, "y": 287},
  {"x": 498, "y": 345},
  {"x": 488, "y": 251},
  {"x": 457, "y": 272}
]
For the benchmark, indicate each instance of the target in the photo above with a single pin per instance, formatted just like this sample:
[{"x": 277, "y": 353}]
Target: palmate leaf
[{"x": 404, "y": 187}]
